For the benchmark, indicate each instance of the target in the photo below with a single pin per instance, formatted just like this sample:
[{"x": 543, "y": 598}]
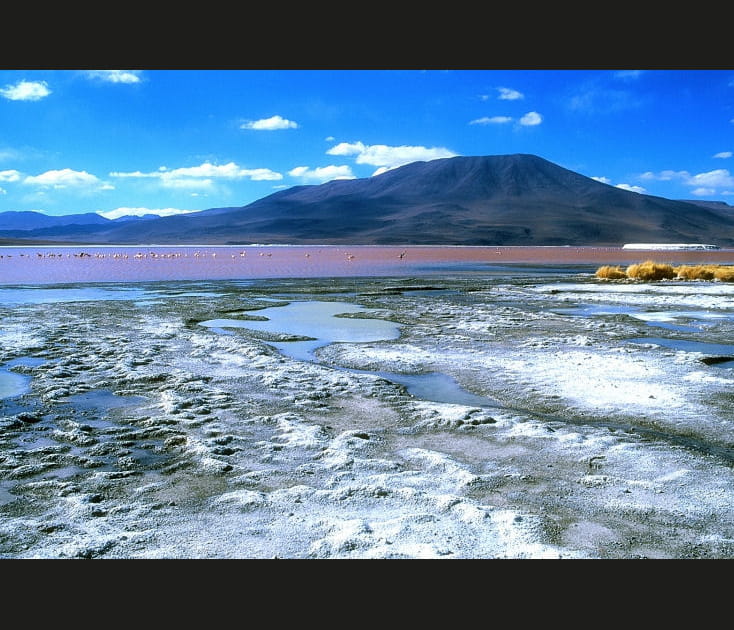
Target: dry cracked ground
[{"x": 542, "y": 430}]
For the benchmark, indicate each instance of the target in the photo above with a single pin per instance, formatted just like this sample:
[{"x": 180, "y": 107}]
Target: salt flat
[{"x": 146, "y": 433}]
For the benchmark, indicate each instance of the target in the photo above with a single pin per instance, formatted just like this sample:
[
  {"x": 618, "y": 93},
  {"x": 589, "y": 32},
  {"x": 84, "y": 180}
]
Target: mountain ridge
[{"x": 514, "y": 199}]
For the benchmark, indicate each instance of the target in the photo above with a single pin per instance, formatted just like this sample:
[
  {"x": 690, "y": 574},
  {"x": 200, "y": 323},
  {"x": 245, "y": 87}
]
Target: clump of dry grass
[
  {"x": 650, "y": 270},
  {"x": 724, "y": 273},
  {"x": 696, "y": 272},
  {"x": 611, "y": 272}
]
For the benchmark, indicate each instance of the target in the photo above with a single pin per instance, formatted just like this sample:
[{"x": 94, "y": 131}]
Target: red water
[{"x": 50, "y": 265}]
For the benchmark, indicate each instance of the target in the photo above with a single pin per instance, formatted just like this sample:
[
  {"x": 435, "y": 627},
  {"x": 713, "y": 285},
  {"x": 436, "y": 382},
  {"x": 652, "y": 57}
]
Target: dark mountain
[
  {"x": 29, "y": 220},
  {"x": 486, "y": 200},
  {"x": 720, "y": 205}
]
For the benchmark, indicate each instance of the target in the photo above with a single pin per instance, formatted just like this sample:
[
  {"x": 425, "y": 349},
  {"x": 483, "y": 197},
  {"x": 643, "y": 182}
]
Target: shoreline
[{"x": 136, "y": 263}]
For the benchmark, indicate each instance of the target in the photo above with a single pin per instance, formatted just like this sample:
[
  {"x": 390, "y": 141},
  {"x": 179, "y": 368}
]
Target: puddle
[
  {"x": 715, "y": 349},
  {"x": 100, "y": 399},
  {"x": 318, "y": 319},
  {"x": 13, "y": 296},
  {"x": 12, "y": 384},
  {"x": 436, "y": 387},
  {"x": 660, "y": 319},
  {"x": 588, "y": 310},
  {"x": 315, "y": 319}
]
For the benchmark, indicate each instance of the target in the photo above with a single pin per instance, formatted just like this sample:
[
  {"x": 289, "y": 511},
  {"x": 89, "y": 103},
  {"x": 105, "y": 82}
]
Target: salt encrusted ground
[{"x": 147, "y": 435}]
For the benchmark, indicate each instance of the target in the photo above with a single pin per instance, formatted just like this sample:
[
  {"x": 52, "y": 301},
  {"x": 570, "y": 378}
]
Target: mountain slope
[
  {"x": 483, "y": 200},
  {"x": 30, "y": 220}
]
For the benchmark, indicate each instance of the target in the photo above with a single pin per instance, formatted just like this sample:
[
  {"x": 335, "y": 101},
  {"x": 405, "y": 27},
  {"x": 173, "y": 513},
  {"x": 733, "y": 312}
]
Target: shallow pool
[{"x": 315, "y": 319}]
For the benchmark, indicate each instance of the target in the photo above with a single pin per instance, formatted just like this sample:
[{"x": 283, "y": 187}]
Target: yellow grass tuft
[
  {"x": 696, "y": 272},
  {"x": 650, "y": 270},
  {"x": 724, "y": 273},
  {"x": 611, "y": 272}
]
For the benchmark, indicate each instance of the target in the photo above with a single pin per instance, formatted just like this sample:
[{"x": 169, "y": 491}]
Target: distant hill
[
  {"x": 29, "y": 220},
  {"x": 515, "y": 199},
  {"x": 717, "y": 205}
]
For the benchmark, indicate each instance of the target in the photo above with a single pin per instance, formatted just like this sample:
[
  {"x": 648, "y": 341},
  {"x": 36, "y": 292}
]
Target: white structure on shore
[{"x": 669, "y": 246}]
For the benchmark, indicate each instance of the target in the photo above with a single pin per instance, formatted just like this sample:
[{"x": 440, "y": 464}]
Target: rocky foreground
[{"x": 145, "y": 434}]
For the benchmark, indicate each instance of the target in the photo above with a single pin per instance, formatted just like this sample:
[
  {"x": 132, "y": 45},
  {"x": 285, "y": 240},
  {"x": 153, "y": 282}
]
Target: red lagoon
[{"x": 133, "y": 263}]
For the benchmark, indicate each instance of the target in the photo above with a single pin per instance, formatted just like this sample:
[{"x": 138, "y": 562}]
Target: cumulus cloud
[
  {"x": 508, "y": 94},
  {"x": 531, "y": 119},
  {"x": 67, "y": 178},
  {"x": 631, "y": 188},
  {"x": 719, "y": 178},
  {"x": 139, "y": 212},
  {"x": 637, "y": 189},
  {"x": 491, "y": 120},
  {"x": 26, "y": 91},
  {"x": 603, "y": 180},
  {"x": 708, "y": 183},
  {"x": 387, "y": 157},
  {"x": 322, "y": 174},
  {"x": 203, "y": 175},
  {"x": 9, "y": 176},
  {"x": 269, "y": 124},
  {"x": 115, "y": 76},
  {"x": 723, "y": 154},
  {"x": 666, "y": 176}
]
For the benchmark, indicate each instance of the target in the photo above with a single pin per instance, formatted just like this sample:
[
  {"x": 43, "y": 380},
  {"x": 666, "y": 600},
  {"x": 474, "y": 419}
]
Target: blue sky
[{"x": 168, "y": 141}]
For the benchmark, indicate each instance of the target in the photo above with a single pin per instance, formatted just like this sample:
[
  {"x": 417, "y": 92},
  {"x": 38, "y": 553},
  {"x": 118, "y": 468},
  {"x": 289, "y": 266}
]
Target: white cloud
[
  {"x": 493, "y": 120},
  {"x": 322, "y": 174},
  {"x": 666, "y": 176},
  {"x": 26, "y": 91},
  {"x": 347, "y": 148},
  {"x": 606, "y": 180},
  {"x": 723, "y": 154},
  {"x": 202, "y": 176},
  {"x": 703, "y": 183},
  {"x": 531, "y": 119},
  {"x": 66, "y": 178},
  {"x": 9, "y": 176},
  {"x": 719, "y": 178},
  {"x": 3, "y": 191},
  {"x": 507, "y": 94},
  {"x": 139, "y": 212},
  {"x": 269, "y": 124},
  {"x": 386, "y": 157},
  {"x": 115, "y": 76},
  {"x": 637, "y": 189}
]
